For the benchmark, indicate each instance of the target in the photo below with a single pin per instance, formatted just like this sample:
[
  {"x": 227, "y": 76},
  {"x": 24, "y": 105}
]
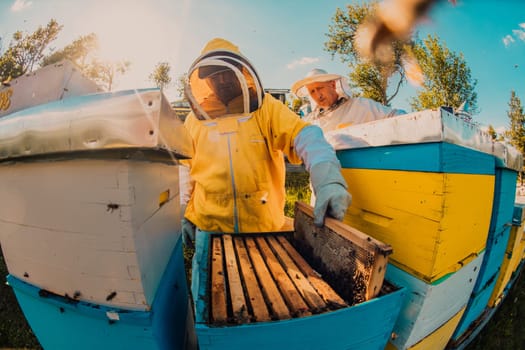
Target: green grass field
[{"x": 506, "y": 330}]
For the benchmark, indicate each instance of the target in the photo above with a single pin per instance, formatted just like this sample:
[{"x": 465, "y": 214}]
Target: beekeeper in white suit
[{"x": 334, "y": 108}]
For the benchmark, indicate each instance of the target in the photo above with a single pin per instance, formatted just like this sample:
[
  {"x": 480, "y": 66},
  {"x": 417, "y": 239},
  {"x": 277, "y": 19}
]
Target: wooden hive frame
[
  {"x": 351, "y": 261},
  {"x": 262, "y": 277},
  {"x": 259, "y": 278}
]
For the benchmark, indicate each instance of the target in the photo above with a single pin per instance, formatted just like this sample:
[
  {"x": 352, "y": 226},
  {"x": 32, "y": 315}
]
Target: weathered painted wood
[
  {"x": 252, "y": 274},
  {"x": 219, "y": 313},
  {"x": 437, "y": 339},
  {"x": 291, "y": 295},
  {"x": 238, "y": 302},
  {"x": 62, "y": 324},
  {"x": 364, "y": 326},
  {"x": 428, "y": 306},
  {"x": 104, "y": 239},
  {"x": 435, "y": 157},
  {"x": 313, "y": 299},
  {"x": 501, "y": 221},
  {"x": 429, "y": 219},
  {"x": 504, "y": 198},
  {"x": 269, "y": 288},
  {"x": 512, "y": 258},
  {"x": 497, "y": 242},
  {"x": 254, "y": 294},
  {"x": 325, "y": 291},
  {"x": 476, "y": 312}
]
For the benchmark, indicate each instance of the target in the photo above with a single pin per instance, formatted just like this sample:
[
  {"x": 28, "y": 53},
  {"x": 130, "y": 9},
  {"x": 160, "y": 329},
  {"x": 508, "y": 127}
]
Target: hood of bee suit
[{"x": 221, "y": 82}]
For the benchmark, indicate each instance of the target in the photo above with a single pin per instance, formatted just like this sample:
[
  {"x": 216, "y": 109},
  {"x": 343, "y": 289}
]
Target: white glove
[{"x": 330, "y": 190}]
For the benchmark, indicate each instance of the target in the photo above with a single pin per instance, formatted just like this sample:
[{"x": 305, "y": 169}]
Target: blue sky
[{"x": 284, "y": 39}]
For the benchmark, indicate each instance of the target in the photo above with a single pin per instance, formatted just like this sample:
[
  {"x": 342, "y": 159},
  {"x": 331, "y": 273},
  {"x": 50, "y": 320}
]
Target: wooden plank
[
  {"x": 357, "y": 237},
  {"x": 290, "y": 294},
  {"x": 218, "y": 296},
  {"x": 253, "y": 291},
  {"x": 238, "y": 302},
  {"x": 308, "y": 292},
  {"x": 377, "y": 275},
  {"x": 327, "y": 293},
  {"x": 269, "y": 288}
]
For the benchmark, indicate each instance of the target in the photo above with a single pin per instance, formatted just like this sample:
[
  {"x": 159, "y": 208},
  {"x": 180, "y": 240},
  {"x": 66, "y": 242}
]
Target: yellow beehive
[{"x": 435, "y": 222}]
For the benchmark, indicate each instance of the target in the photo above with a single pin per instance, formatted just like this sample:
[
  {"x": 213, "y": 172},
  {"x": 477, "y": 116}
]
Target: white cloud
[
  {"x": 302, "y": 61},
  {"x": 520, "y": 34},
  {"x": 20, "y": 5},
  {"x": 507, "y": 40}
]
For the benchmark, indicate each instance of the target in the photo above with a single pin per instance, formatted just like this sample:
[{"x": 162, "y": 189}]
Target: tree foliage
[
  {"x": 84, "y": 53},
  {"x": 104, "y": 72},
  {"x": 180, "y": 86},
  {"x": 516, "y": 131},
  {"x": 448, "y": 80},
  {"x": 26, "y": 51},
  {"x": 79, "y": 51},
  {"x": 295, "y": 104},
  {"x": 161, "y": 75},
  {"x": 368, "y": 79},
  {"x": 492, "y": 132}
]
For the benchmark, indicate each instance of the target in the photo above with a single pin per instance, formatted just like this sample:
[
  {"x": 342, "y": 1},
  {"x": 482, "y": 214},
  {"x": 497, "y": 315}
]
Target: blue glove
[
  {"x": 330, "y": 190},
  {"x": 188, "y": 230}
]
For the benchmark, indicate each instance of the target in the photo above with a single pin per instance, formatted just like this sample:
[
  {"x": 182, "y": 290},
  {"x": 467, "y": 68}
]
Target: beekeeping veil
[{"x": 222, "y": 83}]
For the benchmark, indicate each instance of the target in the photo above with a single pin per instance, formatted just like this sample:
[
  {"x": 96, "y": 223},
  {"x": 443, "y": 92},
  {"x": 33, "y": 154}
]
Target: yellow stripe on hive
[
  {"x": 440, "y": 337},
  {"x": 434, "y": 221}
]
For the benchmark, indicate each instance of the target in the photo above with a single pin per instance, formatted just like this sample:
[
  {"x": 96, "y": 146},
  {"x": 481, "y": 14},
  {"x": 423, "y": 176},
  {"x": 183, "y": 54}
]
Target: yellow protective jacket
[{"x": 238, "y": 169}]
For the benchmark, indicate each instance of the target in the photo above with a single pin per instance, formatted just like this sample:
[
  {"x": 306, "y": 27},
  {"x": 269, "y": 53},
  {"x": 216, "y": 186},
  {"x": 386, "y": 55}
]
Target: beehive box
[
  {"x": 277, "y": 276},
  {"x": 282, "y": 289},
  {"x": 428, "y": 307},
  {"x": 413, "y": 180},
  {"x": 90, "y": 203},
  {"x": 512, "y": 258}
]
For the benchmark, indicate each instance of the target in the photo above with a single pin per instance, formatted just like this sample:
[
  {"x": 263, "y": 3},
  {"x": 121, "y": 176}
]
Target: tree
[
  {"x": 105, "y": 73},
  {"x": 492, "y": 132},
  {"x": 84, "y": 53},
  {"x": 78, "y": 52},
  {"x": 368, "y": 79},
  {"x": 448, "y": 80},
  {"x": 26, "y": 51},
  {"x": 180, "y": 86},
  {"x": 516, "y": 132},
  {"x": 161, "y": 75},
  {"x": 295, "y": 104}
]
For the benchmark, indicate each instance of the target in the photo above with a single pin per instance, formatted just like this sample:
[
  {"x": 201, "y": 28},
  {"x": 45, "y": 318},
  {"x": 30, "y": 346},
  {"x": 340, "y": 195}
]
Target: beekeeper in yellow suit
[{"x": 240, "y": 136}]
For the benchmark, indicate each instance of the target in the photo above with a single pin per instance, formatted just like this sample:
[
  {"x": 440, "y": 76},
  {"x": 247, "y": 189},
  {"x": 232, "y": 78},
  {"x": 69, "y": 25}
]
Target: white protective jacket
[{"x": 349, "y": 111}]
